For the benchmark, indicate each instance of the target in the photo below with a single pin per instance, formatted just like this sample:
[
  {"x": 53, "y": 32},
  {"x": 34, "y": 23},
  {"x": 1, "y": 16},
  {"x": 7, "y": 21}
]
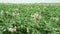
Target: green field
[{"x": 29, "y": 19}]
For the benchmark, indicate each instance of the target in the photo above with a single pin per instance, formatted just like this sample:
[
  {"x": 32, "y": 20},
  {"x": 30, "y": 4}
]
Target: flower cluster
[
  {"x": 36, "y": 16},
  {"x": 12, "y": 29},
  {"x": 56, "y": 18},
  {"x": 15, "y": 14}
]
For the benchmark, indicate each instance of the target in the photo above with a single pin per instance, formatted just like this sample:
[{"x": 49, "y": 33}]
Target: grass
[{"x": 19, "y": 16}]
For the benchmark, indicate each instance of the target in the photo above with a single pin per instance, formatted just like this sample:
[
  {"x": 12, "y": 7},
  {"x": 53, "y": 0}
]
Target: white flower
[
  {"x": 36, "y": 16},
  {"x": 55, "y": 28},
  {"x": 12, "y": 29},
  {"x": 56, "y": 18},
  {"x": 15, "y": 14}
]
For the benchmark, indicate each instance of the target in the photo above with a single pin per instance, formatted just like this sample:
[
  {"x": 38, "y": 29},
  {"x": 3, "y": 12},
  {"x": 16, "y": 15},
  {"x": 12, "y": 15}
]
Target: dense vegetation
[{"x": 29, "y": 19}]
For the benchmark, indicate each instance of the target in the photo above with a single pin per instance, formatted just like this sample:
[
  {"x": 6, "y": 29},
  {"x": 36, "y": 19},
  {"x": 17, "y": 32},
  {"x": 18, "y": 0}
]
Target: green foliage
[{"x": 19, "y": 16}]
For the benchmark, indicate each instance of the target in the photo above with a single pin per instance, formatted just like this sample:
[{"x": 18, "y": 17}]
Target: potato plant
[{"x": 29, "y": 19}]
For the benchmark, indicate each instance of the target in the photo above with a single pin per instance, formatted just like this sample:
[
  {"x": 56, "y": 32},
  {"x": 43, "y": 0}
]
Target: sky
[{"x": 29, "y": 1}]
